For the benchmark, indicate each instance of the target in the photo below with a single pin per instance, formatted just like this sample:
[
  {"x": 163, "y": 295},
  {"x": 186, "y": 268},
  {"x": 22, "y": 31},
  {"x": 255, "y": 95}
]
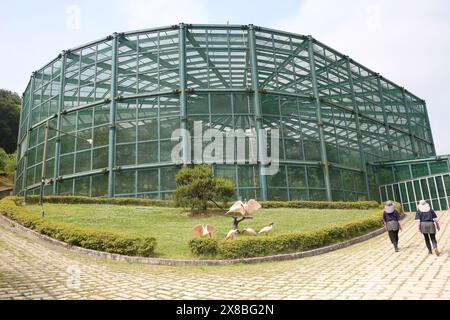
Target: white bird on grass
[
  {"x": 203, "y": 230},
  {"x": 267, "y": 229},
  {"x": 231, "y": 234},
  {"x": 244, "y": 208},
  {"x": 250, "y": 231}
]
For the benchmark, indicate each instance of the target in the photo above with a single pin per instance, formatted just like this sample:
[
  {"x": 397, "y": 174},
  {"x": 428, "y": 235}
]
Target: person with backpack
[
  {"x": 427, "y": 223},
  {"x": 392, "y": 224}
]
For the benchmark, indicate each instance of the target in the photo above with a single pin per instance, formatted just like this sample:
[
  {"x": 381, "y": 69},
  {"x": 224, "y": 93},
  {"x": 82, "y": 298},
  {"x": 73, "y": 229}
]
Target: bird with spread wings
[
  {"x": 244, "y": 209},
  {"x": 203, "y": 230}
]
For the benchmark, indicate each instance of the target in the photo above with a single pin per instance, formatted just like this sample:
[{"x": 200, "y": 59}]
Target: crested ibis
[
  {"x": 267, "y": 229},
  {"x": 231, "y": 234},
  {"x": 244, "y": 208},
  {"x": 203, "y": 230},
  {"x": 250, "y": 231}
]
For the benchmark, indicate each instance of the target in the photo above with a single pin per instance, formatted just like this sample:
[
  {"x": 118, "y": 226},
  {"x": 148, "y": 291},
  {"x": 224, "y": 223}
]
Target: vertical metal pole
[
  {"x": 31, "y": 102},
  {"x": 437, "y": 193},
  {"x": 358, "y": 129},
  {"x": 258, "y": 110},
  {"x": 58, "y": 122},
  {"x": 445, "y": 192},
  {"x": 323, "y": 150},
  {"x": 183, "y": 94},
  {"x": 385, "y": 119},
  {"x": 112, "y": 116},
  {"x": 19, "y": 145},
  {"x": 44, "y": 165},
  {"x": 408, "y": 115},
  {"x": 433, "y": 147}
]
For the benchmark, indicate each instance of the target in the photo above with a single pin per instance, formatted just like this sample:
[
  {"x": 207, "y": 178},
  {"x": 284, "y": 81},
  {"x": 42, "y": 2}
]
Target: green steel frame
[{"x": 128, "y": 91}]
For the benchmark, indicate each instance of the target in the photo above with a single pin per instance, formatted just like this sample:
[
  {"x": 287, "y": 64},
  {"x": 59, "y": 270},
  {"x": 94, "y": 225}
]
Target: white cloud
[
  {"x": 142, "y": 14},
  {"x": 408, "y": 42}
]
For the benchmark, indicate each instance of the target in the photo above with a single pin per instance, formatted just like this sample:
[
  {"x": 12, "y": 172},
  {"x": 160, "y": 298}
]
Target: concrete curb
[{"x": 33, "y": 235}]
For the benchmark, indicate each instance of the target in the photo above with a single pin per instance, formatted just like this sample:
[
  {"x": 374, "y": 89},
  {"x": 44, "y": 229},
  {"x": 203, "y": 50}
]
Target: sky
[{"x": 407, "y": 42}]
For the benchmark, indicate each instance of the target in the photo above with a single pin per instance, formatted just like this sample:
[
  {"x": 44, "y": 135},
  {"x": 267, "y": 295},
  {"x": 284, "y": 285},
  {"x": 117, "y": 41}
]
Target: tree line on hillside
[{"x": 10, "y": 103}]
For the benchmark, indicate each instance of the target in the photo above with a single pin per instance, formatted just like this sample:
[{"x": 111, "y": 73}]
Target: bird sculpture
[
  {"x": 267, "y": 229},
  {"x": 203, "y": 230},
  {"x": 250, "y": 231},
  {"x": 231, "y": 234},
  {"x": 244, "y": 208}
]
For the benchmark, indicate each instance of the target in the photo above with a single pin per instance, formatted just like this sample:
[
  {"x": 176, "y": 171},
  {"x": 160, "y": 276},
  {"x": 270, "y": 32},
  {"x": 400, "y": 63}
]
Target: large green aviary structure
[{"x": 339, "y": 121}]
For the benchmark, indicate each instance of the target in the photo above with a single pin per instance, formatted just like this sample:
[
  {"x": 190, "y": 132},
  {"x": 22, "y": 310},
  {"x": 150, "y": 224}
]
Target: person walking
[
  {"x": 392, "y": 223},
  {"x": 427, "y": 223}
]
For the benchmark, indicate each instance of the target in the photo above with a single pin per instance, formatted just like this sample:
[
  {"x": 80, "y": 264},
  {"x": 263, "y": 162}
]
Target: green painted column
[
  {"x": 112, "y": 115},
  {"x": 258, "y": 109},
  {"x": 18, "y": 153},
  {"x": 31, "y": 97},
  {"x": 323, "y": 149},
  {"x": 58, "y": 122},
  {"x": 183, "y": 93},
  {"x": 358, "y": 129},
  {"x": 408, "y": 115},
  {"x": 385, "y": 119},
  {"x": 433, "y": 147}
]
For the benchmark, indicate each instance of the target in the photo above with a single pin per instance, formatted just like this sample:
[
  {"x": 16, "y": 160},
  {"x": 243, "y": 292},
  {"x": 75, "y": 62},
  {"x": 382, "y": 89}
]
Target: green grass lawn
[{"x": 172, "y": 228}]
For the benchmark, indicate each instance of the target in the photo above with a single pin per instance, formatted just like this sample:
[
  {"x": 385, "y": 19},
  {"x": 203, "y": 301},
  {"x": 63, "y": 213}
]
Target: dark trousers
[
  {"x": 428, "y": 237},
  {"x": 393, "y": 235}
]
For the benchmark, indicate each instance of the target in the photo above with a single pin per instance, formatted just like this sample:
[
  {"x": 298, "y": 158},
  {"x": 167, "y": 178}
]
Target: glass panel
[
  {"x": 168, "y": 178},
  {"x": 279, "y": 179},
  {"x": 100, "y": 158},
  {"x": 100, "y": 185},
  {"x": 425, "y": 190},
  {"x": 315, "y": 177},
  {"x": 126, "y": 154},
  {"x": 433, "y": 191},
  {"x": 125, "y": 182},
  {"x": 439, "y": 167},
  {"x": 403, "y": 193},
  {"x": 296, "y": 177},
  {"x": 419, "y": 170},
  {"x": 148, "y": 180},
  {"x": 82, "y": 186}
]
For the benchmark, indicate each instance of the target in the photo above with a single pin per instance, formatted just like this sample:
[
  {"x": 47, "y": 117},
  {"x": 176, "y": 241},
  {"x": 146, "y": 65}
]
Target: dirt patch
[{"x": 204, "y": 214}]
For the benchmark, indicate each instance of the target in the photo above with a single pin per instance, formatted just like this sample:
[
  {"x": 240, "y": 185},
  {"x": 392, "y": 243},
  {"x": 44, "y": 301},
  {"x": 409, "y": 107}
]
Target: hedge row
[
  {"x": 89, "y": 239},
  {"x": 92, "y": 200},
  {"x": 247, "y": 246},
  {"x": 168, "y": 203},
  {"x": 321, "y": 204}
]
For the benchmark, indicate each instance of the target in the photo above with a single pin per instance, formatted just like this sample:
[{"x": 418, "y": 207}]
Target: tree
[
  {"x": 9, "y": 121},
  {"x": 197, "y": 185},
  {"x": 7, "y": 163}
]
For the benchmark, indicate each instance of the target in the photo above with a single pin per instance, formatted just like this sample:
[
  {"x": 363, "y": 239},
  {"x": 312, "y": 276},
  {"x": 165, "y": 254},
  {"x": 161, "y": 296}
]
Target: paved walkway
[{"x": 370, "y": 270}]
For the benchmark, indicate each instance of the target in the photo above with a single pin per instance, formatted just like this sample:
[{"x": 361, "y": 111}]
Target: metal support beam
[
  {"x": 408, "y": 116},
  {"x": 323, "y": 150},
  {"x": 112, "y": 117},
  {"x": 183, "y": 93},
  {"x": 433, "y": 147},
  {"x": 258, "y": 109},
  {"x": 30, "y": 103},
  {"x": 58, "y": 122},
  {"x": 385, "y": 119},
  {"x": 358, "y": 130}
]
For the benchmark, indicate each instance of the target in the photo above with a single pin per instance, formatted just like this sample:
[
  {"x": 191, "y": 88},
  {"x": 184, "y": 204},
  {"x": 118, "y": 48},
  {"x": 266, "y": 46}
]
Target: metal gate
[{"x": 435, "y": 189}]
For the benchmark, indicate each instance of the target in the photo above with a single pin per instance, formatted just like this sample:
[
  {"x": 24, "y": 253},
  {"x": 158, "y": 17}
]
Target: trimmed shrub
[
  {"x": 248, "y": 247},
  {"x": 90, "y": 239},
  {"x": 204, "y": 246}
]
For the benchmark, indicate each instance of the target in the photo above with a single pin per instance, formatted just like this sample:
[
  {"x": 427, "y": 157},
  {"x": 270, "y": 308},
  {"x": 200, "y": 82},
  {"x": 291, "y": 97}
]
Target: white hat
[
  {"x": 423, "y": 206},
  {"x": 389, "y": 207}
]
